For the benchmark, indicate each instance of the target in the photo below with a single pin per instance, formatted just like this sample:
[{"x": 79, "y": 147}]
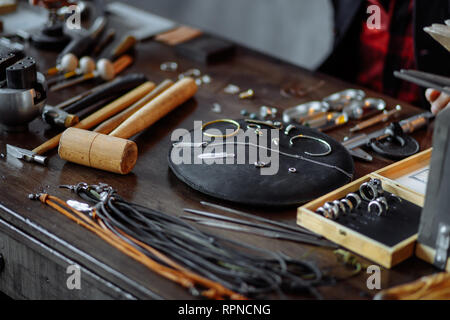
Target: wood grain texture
[
  {"x": 109, "y": 125},
  {"x": 98, "y": 150},
  {"x": 167, "y": 101},
  {"x": 101, "y": 115},
  {"x": 152, "y": 184}
]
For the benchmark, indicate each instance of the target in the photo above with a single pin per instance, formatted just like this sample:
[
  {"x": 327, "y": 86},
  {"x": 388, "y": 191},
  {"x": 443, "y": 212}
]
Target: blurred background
[{"x": 298, "y": 31}]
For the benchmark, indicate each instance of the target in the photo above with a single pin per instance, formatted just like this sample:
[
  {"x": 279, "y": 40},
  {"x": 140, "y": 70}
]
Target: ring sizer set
[{"x": 370, "y": 193}]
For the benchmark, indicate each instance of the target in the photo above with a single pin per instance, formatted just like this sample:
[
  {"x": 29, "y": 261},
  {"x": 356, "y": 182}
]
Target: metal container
[{"x": 18, "y": 107}]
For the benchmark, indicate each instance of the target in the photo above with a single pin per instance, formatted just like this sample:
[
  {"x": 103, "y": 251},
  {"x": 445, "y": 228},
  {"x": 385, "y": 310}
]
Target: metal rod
[
  {"x": 259, "y": 232},
  {"x": 383, "y": 117},
  {"x": 421, "y": 82},
  {"x": 257, "y": 218}
]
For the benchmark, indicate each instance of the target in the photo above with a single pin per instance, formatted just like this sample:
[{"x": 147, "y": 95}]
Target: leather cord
[{"x": 211, "y": 266}]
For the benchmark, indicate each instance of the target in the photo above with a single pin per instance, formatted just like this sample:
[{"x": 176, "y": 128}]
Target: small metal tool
[
  {"x": 383, "y": 117},
  {"x": 427, "y": 80},
  {"x": 262, "y": 233},
  {"x": 248, "y": 223},
  {"x": 59, "y": 117},
  {"x": 392, "y": 141},
  {"x": 257, "y": 218},
  {"x": 25, "y": 155},
  {"x": 23, "y": 94}
]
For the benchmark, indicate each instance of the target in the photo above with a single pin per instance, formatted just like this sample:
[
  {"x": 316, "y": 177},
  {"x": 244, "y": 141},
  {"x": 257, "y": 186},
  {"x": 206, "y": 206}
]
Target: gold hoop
[{"x": 235, "y": 123}]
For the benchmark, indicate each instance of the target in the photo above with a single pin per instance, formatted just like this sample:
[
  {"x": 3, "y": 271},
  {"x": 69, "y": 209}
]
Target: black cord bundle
[{"x": 242, "y": 268}]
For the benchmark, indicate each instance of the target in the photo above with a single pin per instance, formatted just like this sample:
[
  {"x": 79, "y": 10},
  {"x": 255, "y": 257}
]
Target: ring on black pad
[{"x": 302, "y": 136}]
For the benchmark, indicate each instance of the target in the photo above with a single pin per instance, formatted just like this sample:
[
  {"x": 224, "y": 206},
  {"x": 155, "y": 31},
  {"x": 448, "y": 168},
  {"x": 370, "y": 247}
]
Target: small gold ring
[{"x": 238, "y": 127}]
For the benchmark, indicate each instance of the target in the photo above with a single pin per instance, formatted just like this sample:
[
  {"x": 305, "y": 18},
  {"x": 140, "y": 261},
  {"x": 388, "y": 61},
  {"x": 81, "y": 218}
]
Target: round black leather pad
[{"x": 244, "y": 184}]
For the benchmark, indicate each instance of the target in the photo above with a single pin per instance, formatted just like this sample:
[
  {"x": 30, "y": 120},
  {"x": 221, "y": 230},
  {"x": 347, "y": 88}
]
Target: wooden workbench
[{"x": 38, "y": 243}]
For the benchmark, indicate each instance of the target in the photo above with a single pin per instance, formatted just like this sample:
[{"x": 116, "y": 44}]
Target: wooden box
[{"x": 387, "y": 255}]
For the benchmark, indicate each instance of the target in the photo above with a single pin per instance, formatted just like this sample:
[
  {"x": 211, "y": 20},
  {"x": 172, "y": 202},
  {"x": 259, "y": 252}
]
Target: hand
[{"x": 437, "y": 100}]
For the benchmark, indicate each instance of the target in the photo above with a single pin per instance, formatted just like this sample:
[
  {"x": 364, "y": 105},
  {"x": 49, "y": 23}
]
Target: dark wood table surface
[{"x": 152, "y": 184}]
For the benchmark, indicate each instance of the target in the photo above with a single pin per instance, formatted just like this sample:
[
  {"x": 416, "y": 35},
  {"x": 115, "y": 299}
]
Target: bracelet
[
  {"x": 302, "y": 136},
  {"x": 238, "y": 127}
]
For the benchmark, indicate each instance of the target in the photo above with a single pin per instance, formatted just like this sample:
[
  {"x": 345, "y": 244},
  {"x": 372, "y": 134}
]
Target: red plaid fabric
[{"x": 390, "y": 48}]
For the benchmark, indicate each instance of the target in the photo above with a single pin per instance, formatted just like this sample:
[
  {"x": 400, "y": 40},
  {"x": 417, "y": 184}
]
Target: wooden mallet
[{"x": 113, "y": 152}]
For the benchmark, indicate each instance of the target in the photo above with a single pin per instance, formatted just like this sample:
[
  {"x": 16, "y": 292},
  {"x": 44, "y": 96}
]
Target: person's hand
[{"x": 437, "y": 100}]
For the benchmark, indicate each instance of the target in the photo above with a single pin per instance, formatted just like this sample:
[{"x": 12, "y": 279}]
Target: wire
[{"x": 177, "y": 250}]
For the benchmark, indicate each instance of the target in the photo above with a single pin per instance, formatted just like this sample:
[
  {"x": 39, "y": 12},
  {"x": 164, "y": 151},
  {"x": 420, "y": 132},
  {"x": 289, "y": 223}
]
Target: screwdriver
[{"x": 383, "y": 117}]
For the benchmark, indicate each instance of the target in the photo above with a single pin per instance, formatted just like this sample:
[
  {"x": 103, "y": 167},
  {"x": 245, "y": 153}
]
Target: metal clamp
[{"x": 442, "y": 246}]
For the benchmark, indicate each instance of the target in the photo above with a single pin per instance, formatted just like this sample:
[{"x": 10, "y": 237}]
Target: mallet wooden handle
[
  {"x": 101, "y": 115},
  {"x": 108, "y": 126},
  {"x": 157, "y": 108}
]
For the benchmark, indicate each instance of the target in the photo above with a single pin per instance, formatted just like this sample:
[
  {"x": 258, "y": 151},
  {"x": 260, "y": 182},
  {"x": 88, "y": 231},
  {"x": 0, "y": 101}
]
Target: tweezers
[
  {"x": 424, "y": 79},
  {"x": 259, "y": 232},
  {"x": 296, "y": 229},
  {"x": 247, "y": 223}
]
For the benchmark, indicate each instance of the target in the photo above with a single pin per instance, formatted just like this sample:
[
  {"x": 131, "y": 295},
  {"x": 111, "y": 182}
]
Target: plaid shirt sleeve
[{"x": 388, "y": 48}]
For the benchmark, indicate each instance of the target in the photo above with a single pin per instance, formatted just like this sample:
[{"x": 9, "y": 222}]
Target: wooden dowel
[
  {"x": 101, "y": 115},
  {"x": 108, "y": 126},
  {"x": 171, "y": 98}
]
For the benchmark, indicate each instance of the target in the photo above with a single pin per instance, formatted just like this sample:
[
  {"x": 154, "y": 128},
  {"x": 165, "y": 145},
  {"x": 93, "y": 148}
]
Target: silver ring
[
  {"x": 302, "y": 136},
  {"x": 379, "y": 210},
  {"x": 289, "y": 128},
  {"x": 348, "y": 205},
  {"x": 342, "y": 207},
  {"x": 371, "y": 190},
  {"x": 325, "y": 212},
  {"x": 333, "y": 208},
  {"x": 256, "y": 128},
  {"x": 396, "y": 197},
  {"x": 377, "y": 184},
  {"x": 384, "y": 202},
  {"x": 356, "y": 198},
  {"x": 368, "y": 191},
  {"x": 261, "y": 164}
]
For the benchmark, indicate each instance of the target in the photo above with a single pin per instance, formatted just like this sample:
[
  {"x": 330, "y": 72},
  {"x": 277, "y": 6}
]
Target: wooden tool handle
[
  {"x": 101, "y": 115},
  {"x": 71, "y": 120},
  {"x": 108, "y": 126},
  {"x": 98, "y": 151},
  {"x": 125, "y": 44},
  {"x": 122, "y": 63},
  {"x": 171, "y": 98}
]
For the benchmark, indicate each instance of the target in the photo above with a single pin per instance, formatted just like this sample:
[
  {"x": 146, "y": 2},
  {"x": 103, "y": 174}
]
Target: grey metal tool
[
  {"x": 262, "y": 233},
  {"x": 58, "y": 117},
  {"x": 404, "y": 127},
  {"x": 383, "y": 117},
  {"x": 70, "y": 115},
  {"x": 426, "y": 80},
  {"x": 80, "y": 45},
  {"x": 248, "y": 223},
  {"x": 257, "y": 218},
  {"x": 23, "y": 96},
  {"x": 25, "y": 155}
]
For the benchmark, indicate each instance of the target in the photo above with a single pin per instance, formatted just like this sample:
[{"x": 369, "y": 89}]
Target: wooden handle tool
[
  {"x": 108, "y": 126},
  {"x": 101, "y": 115},
  {"x": 167, "y": 101},
  {"x": 113, "y": 152}
]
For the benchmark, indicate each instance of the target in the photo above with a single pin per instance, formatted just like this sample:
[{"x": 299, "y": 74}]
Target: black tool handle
[
  {"x": 115, "y": 88},
  {"x": 78, "y": 47}
]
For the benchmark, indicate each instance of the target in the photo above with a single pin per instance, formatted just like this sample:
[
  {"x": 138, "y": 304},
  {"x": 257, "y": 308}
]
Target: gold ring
[{"x": 238, "y": 127}]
